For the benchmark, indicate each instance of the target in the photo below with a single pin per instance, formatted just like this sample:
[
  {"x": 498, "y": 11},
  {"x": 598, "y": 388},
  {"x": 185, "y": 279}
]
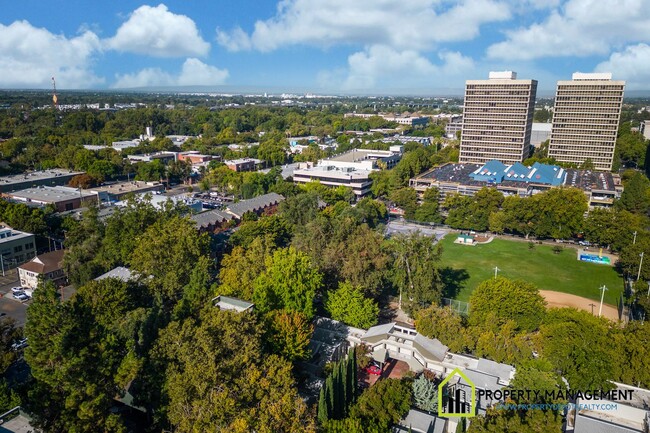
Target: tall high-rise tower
[
  {"x": 497, "y": 119},
  {"x": 585, "y": 119}
]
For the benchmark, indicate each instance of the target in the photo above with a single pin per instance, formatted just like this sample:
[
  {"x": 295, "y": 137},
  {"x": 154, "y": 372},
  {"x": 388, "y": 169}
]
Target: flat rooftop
[
  {"x": 589, "y": 180},
  {"x": 8, "y": 234},
  {"x": 333, "y": 172},
  {"x": 51, "y": 194},
  {"x": 356, "y": 155},
  {"x": 126, "y": 187},
  {"x": 243, "y": 161},
  {"x": 36, "y": 176}
]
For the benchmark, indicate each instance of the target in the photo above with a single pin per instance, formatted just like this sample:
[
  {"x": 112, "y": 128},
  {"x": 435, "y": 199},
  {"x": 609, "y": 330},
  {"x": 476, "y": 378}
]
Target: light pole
[
  {"x": 602, "y": 297},
  {"x": 496, "y": 272},
  {"x": 634, "y": 240},
  {"x": 638, "y": 275}
]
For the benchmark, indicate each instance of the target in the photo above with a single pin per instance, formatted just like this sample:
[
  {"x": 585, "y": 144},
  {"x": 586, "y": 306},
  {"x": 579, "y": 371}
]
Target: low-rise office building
[
  {"x": 356, "y": 179},
  {"x": 62, "y": 197},
  {"x": 46, "y": 267},
  {"x": 117, "y": 191},
  {"x": 351, "y": 169},
  {"x": 53, "y": 177},
  {"x": 600, "y": 188},
  {"x": 15, "y": 247},
  {"x": 243, "y": 164},
  {"x": 164, "y": 157}
]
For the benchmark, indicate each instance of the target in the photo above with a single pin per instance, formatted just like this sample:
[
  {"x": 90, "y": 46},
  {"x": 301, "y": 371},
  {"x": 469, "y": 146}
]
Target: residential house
[{"x": 45, "y": 267}]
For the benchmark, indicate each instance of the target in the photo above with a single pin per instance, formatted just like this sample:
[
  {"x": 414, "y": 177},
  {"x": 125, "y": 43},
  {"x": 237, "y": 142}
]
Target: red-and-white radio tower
[{"x": 55, "y": 100}]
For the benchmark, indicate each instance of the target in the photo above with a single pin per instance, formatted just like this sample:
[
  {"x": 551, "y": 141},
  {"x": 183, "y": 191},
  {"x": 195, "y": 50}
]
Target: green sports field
[{"x": 464, "y": 267}]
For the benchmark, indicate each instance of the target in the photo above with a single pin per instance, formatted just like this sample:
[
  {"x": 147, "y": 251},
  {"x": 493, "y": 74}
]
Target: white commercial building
[{"x": 351, "y": 169}]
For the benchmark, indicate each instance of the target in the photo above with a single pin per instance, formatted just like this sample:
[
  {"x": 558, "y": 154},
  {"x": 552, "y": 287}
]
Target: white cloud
[
  {"x": 30, "y": 57},
  {"x": 155, "y": 31},
  {"x": 631, "y": 65},
  {"x": 197, "y": 73},
  {"x": 193, "y": 73},
  {"x": 404, "y": 25},
  {"x": 382, "y": 67},
  {"x": 578, "y": 28}
]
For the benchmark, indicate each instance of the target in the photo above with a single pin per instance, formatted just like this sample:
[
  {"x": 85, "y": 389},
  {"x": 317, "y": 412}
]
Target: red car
[{"x": 373, "y": 369}]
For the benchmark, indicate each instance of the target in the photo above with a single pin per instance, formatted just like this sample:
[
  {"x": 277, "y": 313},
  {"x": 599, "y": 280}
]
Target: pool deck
[{"x": 613, "y": 258}]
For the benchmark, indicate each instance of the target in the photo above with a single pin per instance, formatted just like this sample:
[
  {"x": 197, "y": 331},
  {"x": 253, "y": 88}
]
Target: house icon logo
[{"x": 457, "y": 403}]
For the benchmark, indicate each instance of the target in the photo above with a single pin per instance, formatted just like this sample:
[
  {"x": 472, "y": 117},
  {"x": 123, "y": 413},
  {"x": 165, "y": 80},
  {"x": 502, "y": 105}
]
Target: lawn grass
[{"x": 464, "y": 267}]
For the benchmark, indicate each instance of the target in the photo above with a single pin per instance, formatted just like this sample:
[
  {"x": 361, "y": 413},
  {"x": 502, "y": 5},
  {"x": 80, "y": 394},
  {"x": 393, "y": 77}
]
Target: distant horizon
[{"x": 276, "y": 91}]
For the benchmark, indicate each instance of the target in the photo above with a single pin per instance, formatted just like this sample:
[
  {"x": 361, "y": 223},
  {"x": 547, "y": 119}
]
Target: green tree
[
  {"x": 501, "y": 343},
  {"x": 415, "y": 271},
  {"x": 348, "y": 305},
  {"x": 636, "y": 195},
  {"x": 458, "y": 211},
  {"x": 407, "y": 199},
  {"x": 289, "y": 282},
  {"x": 537, "y": 375},
  {"x": 289, "y": 334},
  {"x": 242, "y": 266},
  {"x": 391, "y": 395},
  {"x": 168, "y": 251},
  {"x": 80, "y": 356},
  {"x": 513, "y": 421},
  {"x": 504, "y": 300},
  {"x": 425, "y": 394},
  {"x": 635, "y": 356},
  {"x": 444, "y": 324},
  {"x": 581, "y": 347}
]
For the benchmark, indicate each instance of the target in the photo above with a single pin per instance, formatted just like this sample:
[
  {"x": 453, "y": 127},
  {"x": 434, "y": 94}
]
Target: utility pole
[
  {"x": 638, "y": 275},
  {"x": 592, "y": 305},
  {"x": 602, "y": 297},
  {"x": 496, "y": 272}
]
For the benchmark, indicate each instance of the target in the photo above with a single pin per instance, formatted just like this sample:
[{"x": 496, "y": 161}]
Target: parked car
[
  {"x": 584, "y": 243},
  {"x": 21, "y": 296},
  {"x": 20, "y": 344},
  {"x": 16, "y": 290},
  {"x": 373, "y": 369}
]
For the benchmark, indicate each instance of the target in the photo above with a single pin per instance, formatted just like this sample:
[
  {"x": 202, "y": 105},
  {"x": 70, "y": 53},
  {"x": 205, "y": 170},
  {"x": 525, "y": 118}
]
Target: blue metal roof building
[{"x": 496, "y": 172}]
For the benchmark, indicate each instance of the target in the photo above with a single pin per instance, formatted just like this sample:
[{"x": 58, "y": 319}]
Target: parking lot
[{"x": 8, "y": 305}]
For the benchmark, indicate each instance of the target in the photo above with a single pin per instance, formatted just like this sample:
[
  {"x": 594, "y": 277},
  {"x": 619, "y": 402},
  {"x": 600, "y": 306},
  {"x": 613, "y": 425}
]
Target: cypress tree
[
  {"x": 345, "y": 385},
  {"x": 329, "y": 389},
  {"x": 322, "y": 404},
  {"x": 352, "y": 386},
  {"x": 355, "y": 377},
  {"x": 338, "y": 391}
]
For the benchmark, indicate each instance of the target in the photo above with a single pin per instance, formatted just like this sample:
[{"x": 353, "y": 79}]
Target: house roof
[
  {"x": 433, "y": 347},
  {"x": 45, "y": 263},
  {"x": 205, "y": 219},
  {"x": 228, "y": 303},
  {"x": 502, "y": 371},
  {"x": 422, "y": 422},
  {"x": 254, "y": 204},
  {"x": 119, "y": 273}
]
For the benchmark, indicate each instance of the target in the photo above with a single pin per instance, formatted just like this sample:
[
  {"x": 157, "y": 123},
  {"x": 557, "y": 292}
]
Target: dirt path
[{"x": 559, "y": 300}]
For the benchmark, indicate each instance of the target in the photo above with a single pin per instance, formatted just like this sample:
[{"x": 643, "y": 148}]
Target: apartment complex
[
  {"x": 585, "y": 119},
  {"x": 497, "y": 119}
]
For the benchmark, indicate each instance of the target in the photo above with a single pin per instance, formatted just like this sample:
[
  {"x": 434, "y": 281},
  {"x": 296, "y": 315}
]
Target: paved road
[{"x": 14, "y": 309}]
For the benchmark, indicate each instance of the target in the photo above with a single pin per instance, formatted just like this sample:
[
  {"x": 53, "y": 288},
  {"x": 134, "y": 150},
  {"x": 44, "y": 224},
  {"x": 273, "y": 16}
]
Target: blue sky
[{"x": 337, "y": 46}]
